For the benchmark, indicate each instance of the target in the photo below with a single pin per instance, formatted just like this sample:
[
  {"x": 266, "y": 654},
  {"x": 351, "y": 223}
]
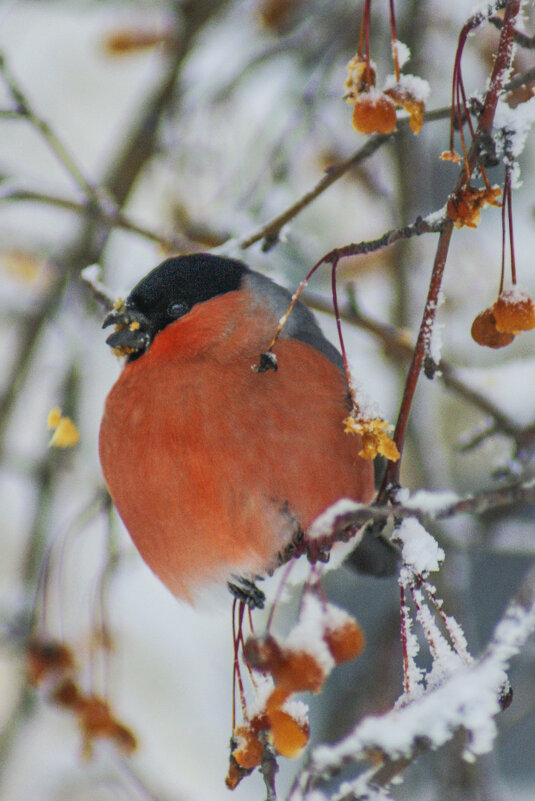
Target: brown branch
[
  {"x": 521, "y": 80},
  {"x": 107, "y": 214},
  {"x": 90, "y": 276},
  {"x": 270, "y": 231},
  {"x": 24, "y": 110},
  {"x": 518, "y": 493},
  {"x": 432, "y": 224},
  {"x": 527, "y": 42},
  {"x": 503, "y": 59},
  {"x": 398, "y": 344},
  {"x": 345, "y": 524}
]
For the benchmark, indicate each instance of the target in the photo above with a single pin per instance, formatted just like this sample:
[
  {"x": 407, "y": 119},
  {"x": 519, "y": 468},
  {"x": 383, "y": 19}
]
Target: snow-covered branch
[{"x": 468, "y": 700}]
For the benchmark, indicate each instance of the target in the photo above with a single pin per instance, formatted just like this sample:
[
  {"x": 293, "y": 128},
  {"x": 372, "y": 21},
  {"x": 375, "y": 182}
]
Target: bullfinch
[{"x": 214, "y": 467}]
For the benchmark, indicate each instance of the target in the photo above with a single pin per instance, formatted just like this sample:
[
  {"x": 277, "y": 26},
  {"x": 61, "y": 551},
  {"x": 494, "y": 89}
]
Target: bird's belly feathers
[{"x": 212, "y": 467}]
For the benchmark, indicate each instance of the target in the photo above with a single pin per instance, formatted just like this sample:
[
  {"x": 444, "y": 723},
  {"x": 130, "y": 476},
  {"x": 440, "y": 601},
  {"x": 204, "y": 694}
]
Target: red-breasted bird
[{"x": 213, "y": 466}]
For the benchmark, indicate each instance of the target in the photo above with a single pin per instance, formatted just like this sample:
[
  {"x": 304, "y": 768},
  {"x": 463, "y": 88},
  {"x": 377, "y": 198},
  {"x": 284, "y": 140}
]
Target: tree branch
[
  {"x": 270, "y": 231},
  {"x": 501, "y": 64},
  {"x": 107, "y": 214},
  {"x": 23, "y": 109},
  {"x": 399, "y": 345},
  {"x": 410, "y": 729}
]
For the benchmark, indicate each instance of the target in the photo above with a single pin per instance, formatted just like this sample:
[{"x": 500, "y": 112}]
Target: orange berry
[
  {"x": 485, "y": 333},
  {"x": 123, "y": 737},
  {"x": 96, "y": 720},
  {"x": 263, "y": 653},
  {"x": 299, "y": 672},
  {"x": 95, "y": 716},
  {"x": 248, "y": 751},
  {"x": 360, "y": 77},
  {"x": 415, "y": 108},
  {"x": 464, "y": 208},
  {"x": 514, "y": 312},
  {"x": 235, "y": 774},
  {"x": 278, "y": 698},
  {"x": 275, "y": 14},
  {"x": 450, "y": 155},
  {"x": 288, "y": 735},
  {"x": 130, "y": 40},
  {"x": 292, "y": 670},
  {"x": 374, "y": 113},
  {"x": 344, "y": 642}
]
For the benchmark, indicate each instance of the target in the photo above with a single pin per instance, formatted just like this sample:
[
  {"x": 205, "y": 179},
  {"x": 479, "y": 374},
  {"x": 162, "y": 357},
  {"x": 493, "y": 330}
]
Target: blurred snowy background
[{"x": 228, "y": 113}]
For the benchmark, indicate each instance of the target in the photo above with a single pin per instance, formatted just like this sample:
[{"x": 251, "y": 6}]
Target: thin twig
[
  {"x": 513, "y": 494},
  {"x": 108, "y": 214},
  {"x": 523, "y": 79},
  {"x": 432, "y": 224},
  {"x": 346, "y": 523},
  {"x": 270, "y": 230},
  {"x": 503, "y": 59},
  {"x": 510, "y": 635},
  {"x": 90, "y": 276},
  {"x": 527, "y": 42},
  {"x": 399, "y": 345},
  {"x": 24, "y": 110}
]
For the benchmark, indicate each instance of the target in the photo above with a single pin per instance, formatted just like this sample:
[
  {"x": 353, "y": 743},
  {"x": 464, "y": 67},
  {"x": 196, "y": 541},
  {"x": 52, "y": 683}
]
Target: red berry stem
[
  {"x": 499, "y": 73},
  {"x": 394, "y": 40},
  {"x": 404, "y": 648},
  {"x": 509, "y": 195}
]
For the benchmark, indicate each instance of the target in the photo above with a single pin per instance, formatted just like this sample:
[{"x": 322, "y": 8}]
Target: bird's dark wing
[{"x": 301, "y": 323}]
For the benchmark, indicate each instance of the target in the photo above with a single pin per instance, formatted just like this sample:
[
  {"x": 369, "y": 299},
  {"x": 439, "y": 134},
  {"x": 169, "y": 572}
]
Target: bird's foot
[{"x": 247, "y": 592}]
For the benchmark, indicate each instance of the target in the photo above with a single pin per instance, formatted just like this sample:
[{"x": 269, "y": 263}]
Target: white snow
[
  {"x": 431, "y": 503},
  {"x": 416, "y": 87},
  {"x": 515, "y": 294},
  {"x": 468, "y": 699},
  {"x": 402, "y": 51},
  {"x": 511, "y": 127},
  {"x": 323, "y": 526},
  {"x": 297, "y": 709},
  {"x": 307, "y": 634},
  {"x": 420, "y": 551}
]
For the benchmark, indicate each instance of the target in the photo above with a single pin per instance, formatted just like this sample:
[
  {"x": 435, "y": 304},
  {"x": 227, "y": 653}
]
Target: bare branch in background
[
  {"x": 271, "y": 230},
  {"x": 398, "y": 345}
]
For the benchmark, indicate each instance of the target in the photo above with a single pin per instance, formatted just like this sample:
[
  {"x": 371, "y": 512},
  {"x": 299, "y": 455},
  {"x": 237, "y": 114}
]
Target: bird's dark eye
[{"x": 177, "y": 309}]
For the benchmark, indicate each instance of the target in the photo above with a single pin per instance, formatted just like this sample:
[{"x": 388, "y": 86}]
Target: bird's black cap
[
  {"x": 167, "y": 293},
  {"x": 191, "y": 279}
]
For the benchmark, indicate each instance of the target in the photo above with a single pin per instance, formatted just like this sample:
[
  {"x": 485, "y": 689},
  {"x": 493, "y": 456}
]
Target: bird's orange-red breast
[{"x": 212, "y": 466}]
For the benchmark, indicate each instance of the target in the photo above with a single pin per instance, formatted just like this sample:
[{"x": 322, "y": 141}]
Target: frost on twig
[
  {"x": 456, "y": 693},
  {"x": 468, "y": 700},
  {"x": 422, "y": 555}
]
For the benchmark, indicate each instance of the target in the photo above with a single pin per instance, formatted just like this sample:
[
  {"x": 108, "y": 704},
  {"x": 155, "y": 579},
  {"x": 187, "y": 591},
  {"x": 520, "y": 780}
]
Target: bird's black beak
[{"x": 132, "y": 335}]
